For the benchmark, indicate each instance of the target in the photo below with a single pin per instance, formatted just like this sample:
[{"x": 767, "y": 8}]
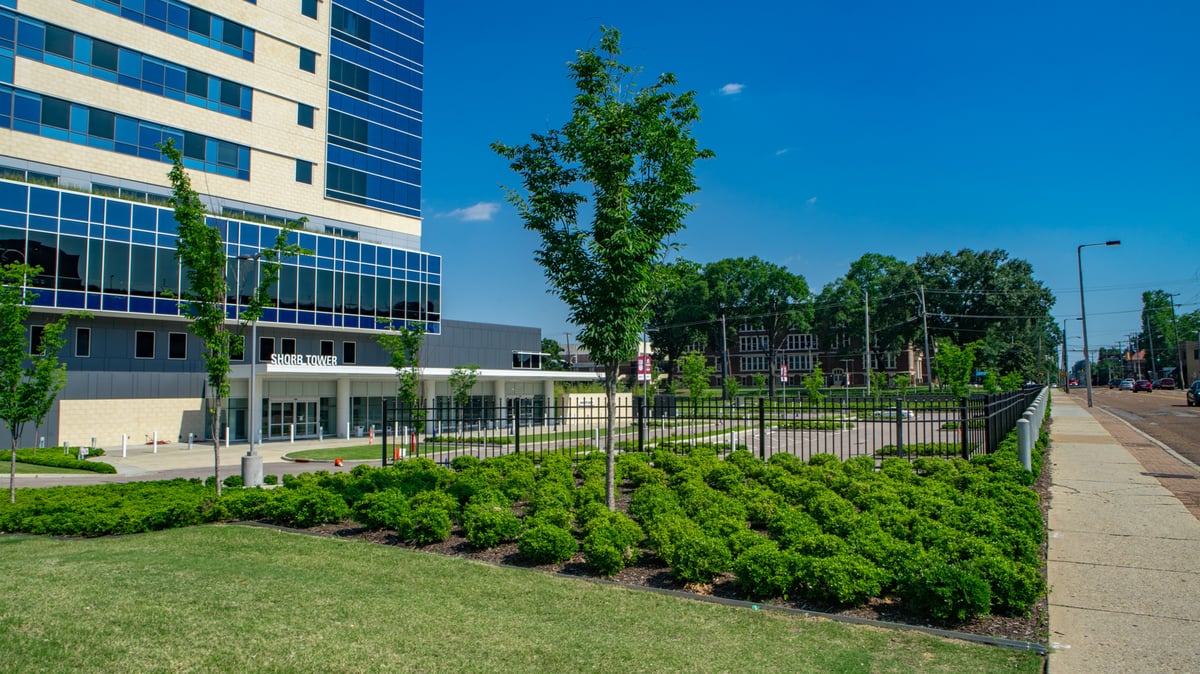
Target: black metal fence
[{"x": 909, "y": 427}]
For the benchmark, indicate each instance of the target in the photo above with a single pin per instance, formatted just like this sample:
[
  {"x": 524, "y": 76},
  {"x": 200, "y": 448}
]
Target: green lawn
[{"x": 230, "y": 598}]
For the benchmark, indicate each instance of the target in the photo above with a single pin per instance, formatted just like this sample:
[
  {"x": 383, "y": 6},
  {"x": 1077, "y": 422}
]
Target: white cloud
[
  {"x": 732, "y": 88},
  {"x": 812, "y": 201},
  {"x": 480, "y": 212},
  {"x": 781, "y": 152}
]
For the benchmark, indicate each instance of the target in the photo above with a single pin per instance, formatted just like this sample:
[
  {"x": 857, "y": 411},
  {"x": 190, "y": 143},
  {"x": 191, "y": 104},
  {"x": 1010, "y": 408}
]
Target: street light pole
[
  {"x": 1087, "y": 363},
  {"x": 252, "y": 464}
]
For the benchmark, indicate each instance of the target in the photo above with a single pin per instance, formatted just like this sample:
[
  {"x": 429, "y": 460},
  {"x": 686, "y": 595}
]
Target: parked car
[
  {"x": 1142, "y": 385},
  {"x": 1126, "y": 385},
  {"x": 1193, "y": 394},
  {"x": 1072, "y": 382},
  {"x": 1165, "y": 384}
]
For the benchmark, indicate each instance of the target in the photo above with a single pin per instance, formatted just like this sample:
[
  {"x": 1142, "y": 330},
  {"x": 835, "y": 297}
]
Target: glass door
[{"x": 286, "y": 413}]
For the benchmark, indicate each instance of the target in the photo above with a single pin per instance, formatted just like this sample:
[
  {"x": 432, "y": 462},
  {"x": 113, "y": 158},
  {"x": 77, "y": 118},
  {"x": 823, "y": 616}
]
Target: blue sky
[{"x": 842, "y": 128}]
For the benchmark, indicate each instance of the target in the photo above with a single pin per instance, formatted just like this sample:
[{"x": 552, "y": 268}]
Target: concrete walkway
[{"x": 1124, "y": 557}]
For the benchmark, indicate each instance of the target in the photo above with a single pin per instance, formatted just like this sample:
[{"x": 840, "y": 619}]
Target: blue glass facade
[
  {"x": 103, "y": 60},
  {"x": 373, "y": 153},
  {"x": 106, "y": 254},
  {"x": 185, "y": 21}
]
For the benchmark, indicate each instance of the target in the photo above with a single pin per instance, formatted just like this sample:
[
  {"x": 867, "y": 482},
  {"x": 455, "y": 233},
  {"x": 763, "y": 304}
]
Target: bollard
[
  {"x": 226, "y": 437},
  {"x": 66, "y": 447},
  {"x": 292, "y": 434},
  {"x": 155, "y": 442},
  {"x": 191, "y": 439},
  {"x": 1023, "y": 445},
  {"x": 42, "y": 442},
  {"x": 124, "y": 445},
  {"x": 347, "y": 429},
  {"x": 320, "y": 434},
  {"x": 93, "y": 442}
]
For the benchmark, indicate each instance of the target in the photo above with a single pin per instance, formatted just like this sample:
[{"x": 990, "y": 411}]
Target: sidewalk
[{"x": 1124, "y": 556}]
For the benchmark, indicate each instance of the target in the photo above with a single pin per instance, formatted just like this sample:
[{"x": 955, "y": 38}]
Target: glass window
[
  {"x": 177, "y": 346},
  {"x": 83, "y": 342},
  {"x": 104, "y": 55},
  {"x": 287, "y": 287},
  {"x": 326, "y": 347},
  {"x": 304, "y": 171},
  {"x": 304, "y": 115},
  {"x": 60, "y": 41},
  {"x": 197, "y": 83},
  {"x": 309, "y": 8},
  {"x": 101, "y": 123},
  {"x": 349, "y": 353},
  {"x": 266, "y": 349},
  {"x": 199, "y": 21},
  {"x": 116, "y": 267},
  {"x": 287, "y": 346},
  {"x": 143, "y": 344},
  {"x": 35, "y": 338},
  {"x": 231, "y": 93},
  {"x": 166, "y": 278},
  {"x": 141, "y": 271},
  {"x": 308, "y": 60},
  {"x": 56, "y": 112}
]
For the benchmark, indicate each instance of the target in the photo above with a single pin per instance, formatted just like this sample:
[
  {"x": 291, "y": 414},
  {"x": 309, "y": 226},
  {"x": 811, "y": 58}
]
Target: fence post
[
  {"x": 762, "y": 429},
  {"x": 382, "y": 445},
  {"x": 1023, "y": 442},
  {"x": 900, "y": 427},
  {"x": 517, "y": 428},
  {"x": 965, "y": 418},
  {"x": 640, "y": 406}
]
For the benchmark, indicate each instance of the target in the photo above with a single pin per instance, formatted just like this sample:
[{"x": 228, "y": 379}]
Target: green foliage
[
  {"x": 430, "y": 524},
  {"x": 232, "y": 481},
  {"x": 242, "y": 504},
  {"x": 611, "y": 542},
  {"x": 812, "y": 383},
  {"x": 387, "y": 509},
  {"x": 765, "y": 571},
  {"x": 653, "y": 501},
  {"x": 490, "y": 524},
  {"x": 50, "y": 457},
  {"x": 462, "y": 380},
  {"x": 842, "y": 578},
  {"x": 945, "y": 591},
  {"x": 109, "y": 509},
  {"x": 954, "y": 365},
  {"x": 946, "y": 449},
  {"x": 28, "y": 385},
  {"x": 547, "y": 544},
  {"x": 306, "y": 505},
  {"x": 696, "y": 374},
  {"x": 698, "y": 558}
]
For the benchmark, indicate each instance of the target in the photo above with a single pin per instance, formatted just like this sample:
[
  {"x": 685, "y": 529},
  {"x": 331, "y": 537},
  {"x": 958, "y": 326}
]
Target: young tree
[
  {"x": 954, "y": 365},
  {"x": 201, "y": 249},
  {"x": 632, "y": 148},
  {"x": 30, "y": 374},
  {"x": 462, "y": 380},
  {"x": 554, "y": 356},
  {"x": 403, "y": 346},
  {"x": 696, "y": 373},
  {"x": 813, "y": 381}
]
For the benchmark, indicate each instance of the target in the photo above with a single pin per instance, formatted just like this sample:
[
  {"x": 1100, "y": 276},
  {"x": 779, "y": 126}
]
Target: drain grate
[{"x": 1171, "y": 475}]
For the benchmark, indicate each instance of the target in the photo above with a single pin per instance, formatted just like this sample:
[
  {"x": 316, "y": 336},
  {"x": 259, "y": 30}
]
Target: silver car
[{"x": 1126, "y": 385}]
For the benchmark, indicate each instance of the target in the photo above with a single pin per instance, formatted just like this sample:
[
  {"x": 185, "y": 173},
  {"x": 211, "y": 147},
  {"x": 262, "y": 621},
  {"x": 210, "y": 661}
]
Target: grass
[{"x": 229, "y": 598}]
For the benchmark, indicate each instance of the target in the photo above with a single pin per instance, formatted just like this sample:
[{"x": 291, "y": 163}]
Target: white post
[
  {"x": 191, "y": 439},
  {"x": 93, "y": 445},
  {"x": 347, "y": 429},
  {"x": 226, "y": 437},
  {"x": 292, "y": 433},
  {"x": 155, "y": 441},
  {"x": 124, "y": 446},
  {"x": 1023, "y": 446}
]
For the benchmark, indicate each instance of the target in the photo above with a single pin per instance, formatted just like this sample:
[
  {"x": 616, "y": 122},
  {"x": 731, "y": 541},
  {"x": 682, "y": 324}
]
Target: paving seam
[
  {"x": 1123, "y": 566},
  {"x": 1132, "y": 613},
  {"x": 1090, "y": 532}
]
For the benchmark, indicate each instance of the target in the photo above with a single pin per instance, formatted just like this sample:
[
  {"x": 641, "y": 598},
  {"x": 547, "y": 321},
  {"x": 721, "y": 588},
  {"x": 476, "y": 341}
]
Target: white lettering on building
[{"x": 303, "y": 360}]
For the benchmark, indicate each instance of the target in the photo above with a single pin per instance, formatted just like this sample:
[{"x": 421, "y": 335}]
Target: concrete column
[
  {"x": 548, "y": 391},
  {"x": 343, "y": 405},
  {"x": 499, "y": 388}
]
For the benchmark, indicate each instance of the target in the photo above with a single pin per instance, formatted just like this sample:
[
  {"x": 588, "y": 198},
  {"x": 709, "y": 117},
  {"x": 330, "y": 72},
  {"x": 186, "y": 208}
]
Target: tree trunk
[
  {"x": 216, "y": 435},
  {"x": 12, "y": 471},
  {"x": 610, "y": 390}
]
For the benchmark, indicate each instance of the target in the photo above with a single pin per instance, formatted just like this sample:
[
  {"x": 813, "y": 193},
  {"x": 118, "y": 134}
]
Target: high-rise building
[{"x": 283, "y": 109}]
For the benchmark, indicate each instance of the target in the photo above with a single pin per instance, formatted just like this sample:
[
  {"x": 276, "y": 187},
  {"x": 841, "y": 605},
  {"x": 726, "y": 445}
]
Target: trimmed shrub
[
  {"x": 744, "y": 539},
  {"x": 611, "y": 543},
  {"x": 792, "y": 524},
  {"x": 590, "y": 511},
  {"x": 271, "y": 479},
  {"x": 765, "y": 571},
  {"x": 843, "y": 578},
  {"x": 387, "y": 509},
  {"x": 306, "y": 506},
  {"x": 430, "y": 524},
  {"x": 1016, "y": 587},
  {"x": 559, "y": 517},
  {"x": 698, "y": 558},
  {"x": 664, "y": 533},
  {"x": 651, "y": 501},
  {"x": 489, "y": 524},
  {"x": 101, "y": 510},
  {"x": 945, "y": 592},
  {"x": 551, "y": 495},
  {"x": 547, "y": 544},
  {"x": 49, "y": 457},
  {"x": 233, "y": 481},
  {"x": 242, "y": 504},
  {"x": 464, "y": 462},
  {"x": 437, "y": 499}
]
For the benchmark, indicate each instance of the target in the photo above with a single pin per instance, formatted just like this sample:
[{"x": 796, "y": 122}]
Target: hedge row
[
  {"x": 950, "y": 539},
  {"x": 53, "y": 456}
]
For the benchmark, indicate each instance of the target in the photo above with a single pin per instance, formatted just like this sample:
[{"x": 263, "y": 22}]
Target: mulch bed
[{"x": 651, "y": 572}]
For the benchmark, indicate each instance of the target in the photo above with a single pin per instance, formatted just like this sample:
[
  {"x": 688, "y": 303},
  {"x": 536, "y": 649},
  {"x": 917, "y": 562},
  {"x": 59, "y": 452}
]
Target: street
[{"x": 1163, "y": 415}]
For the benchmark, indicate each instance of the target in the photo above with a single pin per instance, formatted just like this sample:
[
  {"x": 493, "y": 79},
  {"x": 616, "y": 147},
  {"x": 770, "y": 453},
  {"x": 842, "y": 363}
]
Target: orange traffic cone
[
  {"x": 337, "y": 462},
  {"x": 371, "y": 436}
]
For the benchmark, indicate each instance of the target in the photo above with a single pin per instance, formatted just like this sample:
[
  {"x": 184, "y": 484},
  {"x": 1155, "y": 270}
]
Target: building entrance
[{"x": 286, "y": 413}]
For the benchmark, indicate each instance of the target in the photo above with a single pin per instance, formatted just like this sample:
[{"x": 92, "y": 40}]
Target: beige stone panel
[
  {"x": 106, "y": 420},
  {"x": 83, "y": 158},
  {"x": 275, "y": 69}
]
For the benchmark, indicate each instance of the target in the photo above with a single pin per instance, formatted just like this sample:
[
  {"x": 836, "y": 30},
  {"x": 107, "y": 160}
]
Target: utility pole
[
  {"x": 867, "y": 338},
  {"x": 724, "y": 358},
  {"x": 1066, "y": 364},
  {"x": 928, "y": 353},
  {"x": 1153, "y": 363},
  {"x": 1178, "y": 345},
  {"x": 570, "y": 363}
]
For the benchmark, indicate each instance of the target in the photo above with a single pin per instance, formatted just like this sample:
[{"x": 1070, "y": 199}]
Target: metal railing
[{"x": 908, "y": 427}]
